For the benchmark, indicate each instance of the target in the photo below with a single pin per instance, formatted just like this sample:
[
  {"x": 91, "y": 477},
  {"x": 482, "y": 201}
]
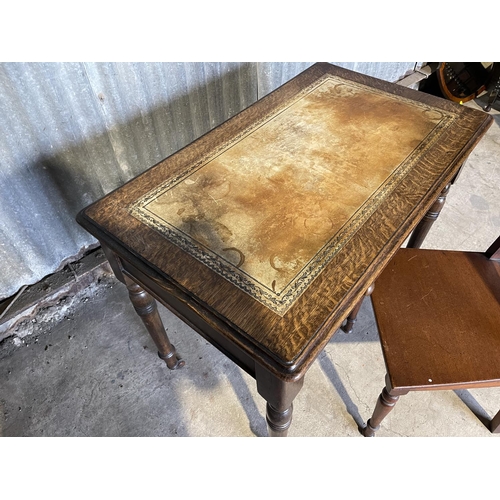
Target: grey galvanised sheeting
[
  {"x": 69, "y": 133},
  {"x": 274, "y": 74},
  {"x": 72, "y": 132}
]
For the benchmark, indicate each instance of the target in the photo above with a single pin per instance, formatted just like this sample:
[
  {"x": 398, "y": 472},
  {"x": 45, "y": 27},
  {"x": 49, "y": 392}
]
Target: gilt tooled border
[{"x": 280, "y": 302}]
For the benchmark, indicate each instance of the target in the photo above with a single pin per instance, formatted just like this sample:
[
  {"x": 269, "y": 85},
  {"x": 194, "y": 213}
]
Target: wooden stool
[{"x": 438, "y": 315}]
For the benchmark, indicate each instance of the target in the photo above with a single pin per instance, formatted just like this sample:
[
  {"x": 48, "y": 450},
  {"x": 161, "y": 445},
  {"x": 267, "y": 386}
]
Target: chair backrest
[{"x": 493, "y": 253}]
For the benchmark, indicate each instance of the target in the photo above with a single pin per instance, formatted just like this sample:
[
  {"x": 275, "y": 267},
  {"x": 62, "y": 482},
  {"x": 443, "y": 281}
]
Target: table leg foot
[
  {"x": 278, "y": 422},
  {"x": 172, "y": 359},
  {"x": 146, "y": 308}
]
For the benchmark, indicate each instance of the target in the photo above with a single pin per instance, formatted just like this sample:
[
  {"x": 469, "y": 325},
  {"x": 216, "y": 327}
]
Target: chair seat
[{"x": 438, "y": 314}]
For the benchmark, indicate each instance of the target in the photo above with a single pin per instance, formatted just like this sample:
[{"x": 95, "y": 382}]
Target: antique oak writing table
[{"x": 264, "y": 233}]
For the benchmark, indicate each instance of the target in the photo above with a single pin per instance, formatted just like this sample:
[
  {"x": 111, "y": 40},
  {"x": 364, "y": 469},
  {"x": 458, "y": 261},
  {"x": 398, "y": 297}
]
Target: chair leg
[
  {"x": 353, "y": 315},
  {"x": 385, "y": 403},
  {"x": 495, "y": 423}
]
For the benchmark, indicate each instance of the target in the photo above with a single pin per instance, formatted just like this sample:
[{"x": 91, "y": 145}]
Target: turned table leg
[
  {"x": 423, "y": 227},
  {"x": 146, "y": 308},
  {"x": 385, "y": 403},
  {"x": 353, "y": 315},
  {"x": 278, "y": 422},
  {"x": 279, "y": 395}
]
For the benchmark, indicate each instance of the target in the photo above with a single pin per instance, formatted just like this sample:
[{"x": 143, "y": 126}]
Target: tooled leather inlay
[{"x": 271, "y": 207}]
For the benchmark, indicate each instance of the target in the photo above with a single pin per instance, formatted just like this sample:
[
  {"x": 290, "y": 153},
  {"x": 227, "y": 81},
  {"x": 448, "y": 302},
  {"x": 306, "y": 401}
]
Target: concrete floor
[{"x": 96, "y": 372}]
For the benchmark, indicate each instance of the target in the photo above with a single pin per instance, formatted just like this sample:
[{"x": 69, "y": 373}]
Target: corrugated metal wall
[
  {"x": 272, "y": 75},
  {"x": 72, "y": 132}
]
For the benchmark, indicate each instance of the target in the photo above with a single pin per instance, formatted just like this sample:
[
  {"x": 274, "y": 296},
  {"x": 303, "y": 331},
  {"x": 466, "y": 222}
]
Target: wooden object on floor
[
  {"x": 265, "y": 232},
  {"x": 438, "y": 315},
  {"x": 462, "y": 81}
]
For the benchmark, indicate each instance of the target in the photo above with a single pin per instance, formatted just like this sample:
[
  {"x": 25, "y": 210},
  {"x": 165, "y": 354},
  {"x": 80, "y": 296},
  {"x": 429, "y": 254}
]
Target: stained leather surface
[{"x": 271, "y": 209}]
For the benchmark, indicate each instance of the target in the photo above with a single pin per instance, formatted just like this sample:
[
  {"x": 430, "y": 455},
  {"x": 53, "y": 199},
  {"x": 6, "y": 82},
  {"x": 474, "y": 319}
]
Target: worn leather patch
[{"x": 269, "y": 209}]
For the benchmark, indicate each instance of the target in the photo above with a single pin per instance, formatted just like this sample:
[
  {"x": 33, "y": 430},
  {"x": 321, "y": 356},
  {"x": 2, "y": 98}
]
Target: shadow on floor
[
  {"x": 330, "y": 371},
  {"x": 470, "y": 401}
]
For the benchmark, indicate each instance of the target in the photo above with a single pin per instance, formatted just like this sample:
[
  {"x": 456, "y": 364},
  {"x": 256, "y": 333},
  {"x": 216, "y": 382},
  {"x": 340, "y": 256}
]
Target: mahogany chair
[{"x": 438, "y": 315}]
